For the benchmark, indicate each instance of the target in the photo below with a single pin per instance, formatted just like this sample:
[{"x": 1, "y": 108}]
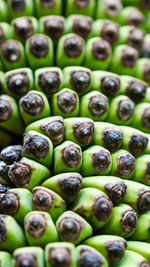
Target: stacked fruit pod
[{"x": 74, "y": 133}]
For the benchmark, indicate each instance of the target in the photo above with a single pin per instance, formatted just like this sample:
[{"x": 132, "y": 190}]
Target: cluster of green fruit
[{"x": 74, "y": 133}]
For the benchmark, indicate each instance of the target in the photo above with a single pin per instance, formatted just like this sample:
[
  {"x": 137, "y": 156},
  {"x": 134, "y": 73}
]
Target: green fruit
[
  {"x": 110, "y": 246},
  {"x": 97, "y": 210},
  {"x": 70, "y": 50},
  {"x": 137, "y": 196},
  {"x": 121, "y": 110},
  {"x": 29, "y": 256},
  {"x": 141, "y": 117},
  {"x": 48, "y": 80},
  {"x": 94, "y": 105},
  {"x": 47, "y": 200},
  {"x": 108, "y": 9},
  {"x": 97, "y": 54},
  {"x": 20, "y": 8},
  {"x": 10, "y": 115},
  {"x": 96, "y": 160},
  {"x": 134, "y": 141},
  {"x": 77, "y": 7},
  {"x": 142, "y": 248},
  {"x": 34, "y": 106},
  {"x": 79, "y": 130},
  {"x": 107, "y": 135},
  {"x": 53, "y": 26},
  {"x": 12, "y": 235},
  {"x": 79, "y": 24},
  {"x": 67, "y": 185},
  {"x": 4, "y": 28},
  {"x": 39, "y": 51},
  {"x": 19, "y": 82},
  {"x": 124, "y": 60},
  {"x": 123, "y": 164},
  {"x": 16, "y": 202},
  {"x": 132, "y": 259},
  {"x": 112, "y": 186},
  {"x": 39, "y": 228},
  {"x": 38, "y": 147},
  {"x": 24, "y": 27},
  {"x": 89, "y": 257},
  {"x": 67, "y": 158},
  {"x": 77, "y": 78},
  {"x": 73, "y": 228},
  {"x": 132, "y": 16},
  {"x": 5, "y": 259},
  {"x": 60, "y": 253},
  {"x": 52, "y": 127},
  {"x": 142, "y": 69},
  {"x": 47, "y": 8},
  {"x": 123, "y": 221},
  {"x": 27, "y": 173},
  {"x": 65, "y": 103}
]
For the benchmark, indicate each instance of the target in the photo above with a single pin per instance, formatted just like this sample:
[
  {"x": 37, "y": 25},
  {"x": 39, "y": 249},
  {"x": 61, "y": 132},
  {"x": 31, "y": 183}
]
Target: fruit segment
[
  {"x": 132, "y": 259},
  {"x": 97, "y": 210},
  {"x": 28, "y": 256},
  {"x": 73, "y": 228},
  {"x": 39, "y": 228}
]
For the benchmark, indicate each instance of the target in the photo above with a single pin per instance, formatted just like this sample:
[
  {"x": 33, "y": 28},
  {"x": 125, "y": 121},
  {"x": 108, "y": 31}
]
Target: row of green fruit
[{"x": 98, "y": 8}]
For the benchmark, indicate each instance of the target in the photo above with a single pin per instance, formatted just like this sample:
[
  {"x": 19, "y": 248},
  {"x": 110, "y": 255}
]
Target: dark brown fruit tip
[
  {"x": 126, "y": 164},
  {"x": 10, "y": 203},
  {"x": 67, "y": 101},
  {"x": 80, "y": 80},
  {"x": 146, "y": 72},
  {"x": 36, "y": 145},
  {"x": 112, "y": 7},
  {"x": 116, "y": 250},
  {"x": 39, "y": 46},
  {"x": 32, "y": 103},
  {"x": 54, "y": 26},
  {"x": 146, "y": 118},
  {"x": 3, "y": 229},
  {"x": 129, "y": 57},
  {"x": 136, "y": 90},
  {"x": 26, "y": 260},
  {"x": 18, "y": 83},
  {"x": 136, "y": 38},
  {"x": 55, "y": 130},
  {"x": 144, "y": 264},
  {"x": 20, "y": 173},
  {"x": 83, "y": 132},
  {"x": 98, "y": 105},
  {"x": 47, "y": 3},
  {"x": 82, "y": 3},
  {"x": 143, "y": 203},
  {"x": 70, "y": 228},
  {"x": 71, "y": 156},
  {"x": 18, "y": 6},
  {"x": 101, "y": 160},
  {"x": 116, "y": 192},
  {"x": 23, "y": 28},
  {"x": 101, "y": 50},
  {"x": 60, "y": 256},
  {"x": 137, "y": 144},
  {"x": 135, "y": 18},
  {"x": 5, "y": 108},
  {"x": 89, "y": 258},
  {"x": 110, "y": 31},
  {"x": 110, "y": 85},
  {"x": 82, "y": 25},
  {"x": 11, "y": 51},
  {"x": 70, "y": 185},
  {"x": 36, "y": 224},
  {"x": 112, "y": 138},
  {"x": 102, "y": 208},
  {"x": 125, "y": 109},
  {"x": 49, "y": 82},
  {"x": 42, "y": 199},
  {"x": 73, "y": 46},
  {"x": 129, "y": 221}
]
